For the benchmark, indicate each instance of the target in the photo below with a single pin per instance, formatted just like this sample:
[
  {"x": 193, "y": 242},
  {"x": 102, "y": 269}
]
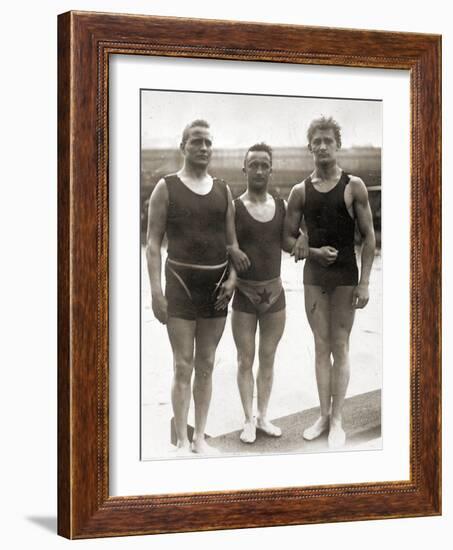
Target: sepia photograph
[
  {"x": 249, "y": 328},
  {"x": 261, "y": 274}
]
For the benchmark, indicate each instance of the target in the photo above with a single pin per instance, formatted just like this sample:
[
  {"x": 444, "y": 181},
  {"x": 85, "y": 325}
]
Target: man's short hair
[
  {"x": 196, "y": 123},
  {"x": 259, "y": 147},
  {"x": 324, "y": 123}
]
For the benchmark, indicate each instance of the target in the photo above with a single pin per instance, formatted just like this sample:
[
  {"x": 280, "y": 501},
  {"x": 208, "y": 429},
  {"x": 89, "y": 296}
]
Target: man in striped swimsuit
[
  {"x": 195, "y": 210},
  {"x": 329, "y": 203}
]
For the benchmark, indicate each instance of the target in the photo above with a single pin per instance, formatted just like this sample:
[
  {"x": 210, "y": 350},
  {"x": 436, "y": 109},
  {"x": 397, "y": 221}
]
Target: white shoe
[
  {"x": 318, "y": 428},
  {"x": 268, "y": 428},
  {"x": 337, "y": 437},
  {"x": 248, "y": 434}
]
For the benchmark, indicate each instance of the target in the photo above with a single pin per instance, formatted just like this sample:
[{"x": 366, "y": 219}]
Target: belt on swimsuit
[
  {"x": 262, "y": 294},
  {"x": 197, "y": 266}
]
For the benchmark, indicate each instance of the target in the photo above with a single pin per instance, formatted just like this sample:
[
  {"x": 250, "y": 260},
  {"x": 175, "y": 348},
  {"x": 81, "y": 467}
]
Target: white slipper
[{"x": 248, "y": 434}]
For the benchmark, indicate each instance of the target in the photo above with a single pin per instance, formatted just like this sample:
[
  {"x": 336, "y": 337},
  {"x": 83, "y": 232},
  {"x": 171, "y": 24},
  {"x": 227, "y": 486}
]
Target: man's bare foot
[
  {"x": 182, "y": 449},
  {"x": 268, "y": 428},
  {"x": 337, "y": 437},
  {"x": 248, "y": 434},
  {"x": 199, "y": 446},
  {"x": 319, "y": 427}
]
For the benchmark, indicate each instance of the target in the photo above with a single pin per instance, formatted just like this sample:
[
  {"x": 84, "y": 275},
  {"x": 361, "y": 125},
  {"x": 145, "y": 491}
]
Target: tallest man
[
  {"x": 195, "y": 210},
  {"x": 331, "y": 202}
]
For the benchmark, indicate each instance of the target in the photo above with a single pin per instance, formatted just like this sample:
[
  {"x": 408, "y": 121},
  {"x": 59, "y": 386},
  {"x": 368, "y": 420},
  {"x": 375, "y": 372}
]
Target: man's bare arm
[
  {"x": 364, "y": 218},
  {"x": 240, "y": 260},
  {"x": 294, "y": 240},
  {"x": 226, "y": 289},
  {"x": 157, "y": 225}
]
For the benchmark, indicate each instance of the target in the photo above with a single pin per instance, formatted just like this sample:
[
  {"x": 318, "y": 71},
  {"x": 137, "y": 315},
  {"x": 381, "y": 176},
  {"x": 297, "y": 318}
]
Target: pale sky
[{"x": 241, "y": 120}]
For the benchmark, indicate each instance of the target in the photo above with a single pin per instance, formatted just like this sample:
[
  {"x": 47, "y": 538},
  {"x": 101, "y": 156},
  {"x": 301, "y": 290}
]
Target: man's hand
[
  {"x": 159, "y": 305},
  {"x": 301, "y": 248},
  {"x": 240, "y": 259},
  {"x": 360, "y": 296},
  {"x": 225, "y": 294},
  {"x": 326, "y": 255}
]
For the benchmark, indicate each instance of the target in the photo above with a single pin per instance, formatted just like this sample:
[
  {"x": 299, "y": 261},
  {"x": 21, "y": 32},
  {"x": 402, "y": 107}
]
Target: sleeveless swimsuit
[
  {"x": 197, "y": 263},
  {"x": 259, "y": 289},
  {"x": 329, "y": 223}
]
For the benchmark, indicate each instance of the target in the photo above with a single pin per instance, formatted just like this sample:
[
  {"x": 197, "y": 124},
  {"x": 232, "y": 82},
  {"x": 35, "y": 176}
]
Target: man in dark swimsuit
[
  {"x": 328, "y": 203},
  {"x": 196, "y": 212},
  {"x": 259, "y": 298}
]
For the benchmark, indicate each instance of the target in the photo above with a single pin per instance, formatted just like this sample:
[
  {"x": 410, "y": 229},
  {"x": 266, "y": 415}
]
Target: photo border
[{"x": 85, "y": 42}]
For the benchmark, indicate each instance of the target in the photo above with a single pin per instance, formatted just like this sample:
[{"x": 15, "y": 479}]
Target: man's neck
[
  {"x": 194, "y": 172},
  {"x": 257, "y": 196},
  {"x": 327, "y": 171}
]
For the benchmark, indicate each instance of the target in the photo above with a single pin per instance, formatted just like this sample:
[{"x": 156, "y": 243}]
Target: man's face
[
  {"x": 324, "y": 146},
  {"x": 258, "y": 169},
  {"x": 198, "y": 147}
]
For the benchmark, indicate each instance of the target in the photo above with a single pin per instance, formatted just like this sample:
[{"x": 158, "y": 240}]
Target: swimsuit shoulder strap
[
  {"x": 239, "y": 207},
  {"x": 222, "y": 185},
  {"x": 172, "y": 181},
  {"x": 341, "y": 186},
  {"x": 308, "y": 183},
  {"x": 309, "y": 188},
  {"x": 345, "y": 178},
  {"x": 280, "y": 204}
]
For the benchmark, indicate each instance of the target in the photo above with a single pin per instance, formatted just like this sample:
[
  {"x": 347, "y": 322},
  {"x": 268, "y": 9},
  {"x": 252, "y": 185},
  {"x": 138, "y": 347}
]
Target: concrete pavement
[{"x": 361, "y": 422}]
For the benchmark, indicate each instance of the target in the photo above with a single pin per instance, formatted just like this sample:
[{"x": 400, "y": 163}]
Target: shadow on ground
[
  {"x": 49, "y": 523},
  {"x": 361, "y": 422}
]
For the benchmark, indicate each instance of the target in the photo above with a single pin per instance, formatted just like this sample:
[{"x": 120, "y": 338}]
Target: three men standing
[{"x": 196, "y": 212}]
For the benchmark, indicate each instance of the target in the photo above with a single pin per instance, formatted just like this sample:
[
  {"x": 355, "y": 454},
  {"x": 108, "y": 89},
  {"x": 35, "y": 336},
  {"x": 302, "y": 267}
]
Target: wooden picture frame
[{"x": 85, "y": 41}]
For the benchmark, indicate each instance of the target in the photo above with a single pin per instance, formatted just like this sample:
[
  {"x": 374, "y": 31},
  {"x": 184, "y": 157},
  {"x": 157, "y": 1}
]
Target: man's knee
[
  {"x": 267, "y": 356},
  {"x": 245, "y": 361},
  {"x": 183, "y": 370},
  {"x": 322, "y": 345},
  {"x": 204, "y": 363},
  {"x": 340, "y": 348}
]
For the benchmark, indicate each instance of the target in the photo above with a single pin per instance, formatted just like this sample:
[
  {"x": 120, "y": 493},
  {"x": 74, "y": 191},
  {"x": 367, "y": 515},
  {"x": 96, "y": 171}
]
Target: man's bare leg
[
  {"x": 244, "y": 331},
  {"x": 207, "y": 336},
  {"x": 181, "y": 334},
  {"x": 341, "y": 321},
  {"x": 271, "y": 331},
  {"x": 317, "y": 308}
]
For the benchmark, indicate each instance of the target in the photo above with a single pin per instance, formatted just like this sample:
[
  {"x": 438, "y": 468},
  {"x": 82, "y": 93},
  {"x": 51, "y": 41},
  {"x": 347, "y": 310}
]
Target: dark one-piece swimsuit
[
  {"x": 197, "y": 262},
  {"x": 330, "y": 224},
  {"x": 260, "y": 288}
]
